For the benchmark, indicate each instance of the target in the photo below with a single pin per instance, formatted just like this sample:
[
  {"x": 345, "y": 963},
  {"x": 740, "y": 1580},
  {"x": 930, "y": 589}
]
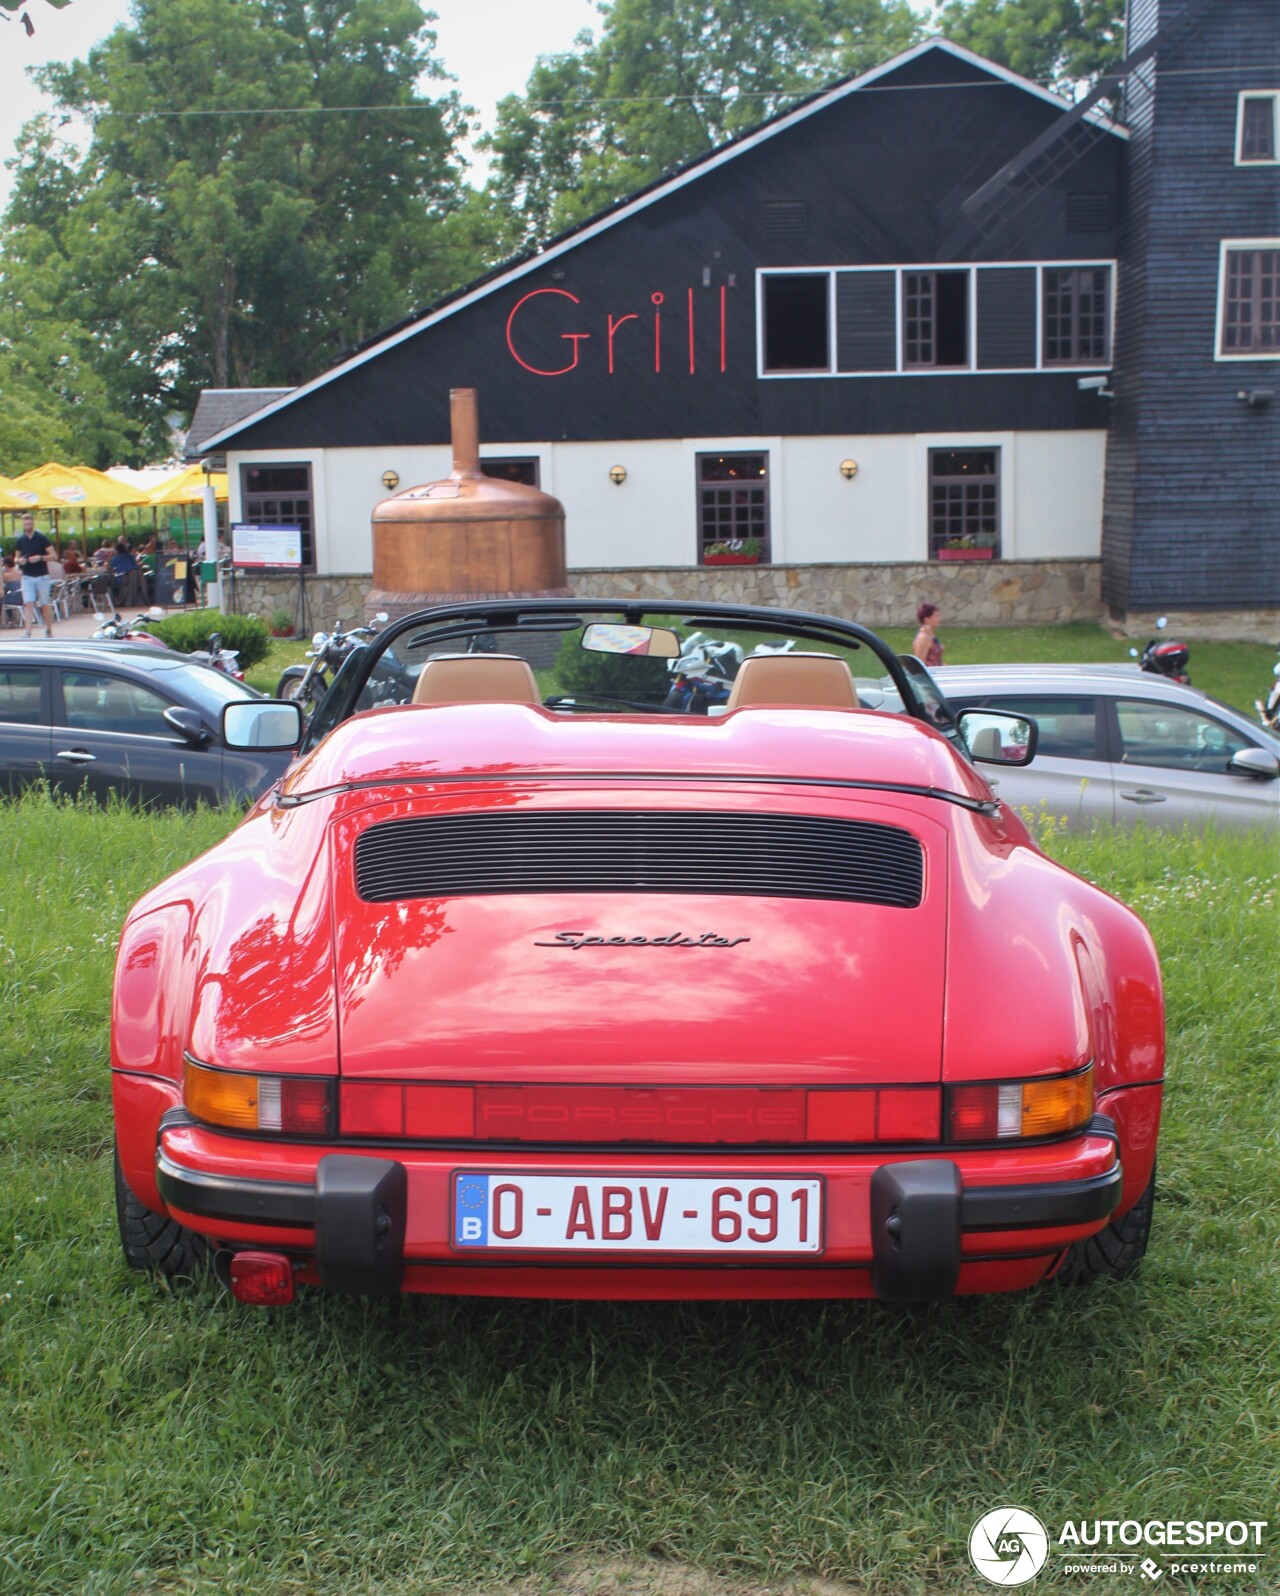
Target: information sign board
[{"x": 257, "y": 548}]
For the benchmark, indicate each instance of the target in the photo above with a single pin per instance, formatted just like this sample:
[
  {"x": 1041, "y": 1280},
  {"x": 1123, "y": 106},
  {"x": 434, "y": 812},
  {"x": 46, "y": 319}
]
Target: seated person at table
[
  {"x": 127, "y": 579},
  {"x": 71, "y": 563},
  {"x": 12, "y": 591}
]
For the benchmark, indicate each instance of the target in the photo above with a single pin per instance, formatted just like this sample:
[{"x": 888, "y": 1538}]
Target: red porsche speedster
[{"x": 584, "y": 953}]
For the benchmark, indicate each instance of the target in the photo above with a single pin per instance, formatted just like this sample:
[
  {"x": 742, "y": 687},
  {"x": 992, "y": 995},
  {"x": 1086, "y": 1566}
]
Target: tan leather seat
[
  {"x": 819, "y": 681},
  {"x": 476, "y": 679}
]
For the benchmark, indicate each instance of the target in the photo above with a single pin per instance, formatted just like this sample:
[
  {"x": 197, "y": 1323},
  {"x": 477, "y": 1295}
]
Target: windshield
[
  {"x": 591, "y": 658},
  {"x": 208, "y": 690}
]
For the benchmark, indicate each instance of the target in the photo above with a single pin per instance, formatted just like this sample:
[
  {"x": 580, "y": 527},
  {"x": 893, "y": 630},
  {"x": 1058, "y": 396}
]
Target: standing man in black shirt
[{"x": 34, "y": 550}]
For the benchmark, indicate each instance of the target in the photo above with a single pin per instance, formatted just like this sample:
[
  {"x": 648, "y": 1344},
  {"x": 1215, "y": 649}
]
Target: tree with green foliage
[
  {"x": 1060, "y": 43},
  {"x": 667, "y": 81},
  {"x": 265, "y": 185}
]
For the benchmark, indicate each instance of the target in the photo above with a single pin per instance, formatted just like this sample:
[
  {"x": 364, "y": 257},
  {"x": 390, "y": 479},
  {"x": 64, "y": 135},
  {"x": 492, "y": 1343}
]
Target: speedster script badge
[{"x": 677, "y": 939}]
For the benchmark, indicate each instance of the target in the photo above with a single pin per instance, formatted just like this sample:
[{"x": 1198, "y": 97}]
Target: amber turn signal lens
[
  {"x": 1061, "y": 1103},
  {"x": 297, "y": 1105},
  {"x": 995, "y": 1110}
]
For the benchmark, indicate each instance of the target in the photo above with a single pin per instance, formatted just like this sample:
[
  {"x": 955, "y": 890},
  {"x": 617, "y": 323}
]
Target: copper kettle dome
[{"x": 467, "y": 536}]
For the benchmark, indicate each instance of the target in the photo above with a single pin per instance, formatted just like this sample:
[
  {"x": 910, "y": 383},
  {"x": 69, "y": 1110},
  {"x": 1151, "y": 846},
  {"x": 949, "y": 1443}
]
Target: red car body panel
[{"x": 263, "y": 956}]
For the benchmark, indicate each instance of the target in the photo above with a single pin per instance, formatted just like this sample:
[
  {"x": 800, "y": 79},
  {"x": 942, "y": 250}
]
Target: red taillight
[
  {"x": 1047, "y": 1105},
  {"x": 293, "y": 1105},
  {"x": 264, "y": 1279},
  {"x": 734, "y": 1115}
]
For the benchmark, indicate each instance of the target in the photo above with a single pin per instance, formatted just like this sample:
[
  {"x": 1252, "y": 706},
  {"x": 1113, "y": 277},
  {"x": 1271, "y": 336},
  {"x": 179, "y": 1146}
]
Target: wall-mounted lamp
[
  {"x": 1255, "y": 398},
  {"x": 390, "y": 480},
  {"x": 848, "y": 469},
  {"x": 617, "y": 475}
]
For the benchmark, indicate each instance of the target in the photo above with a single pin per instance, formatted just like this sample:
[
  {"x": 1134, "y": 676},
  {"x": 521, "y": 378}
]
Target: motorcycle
[
  {"x": 307, "y": 684},
  {"x": 1164, "y": 659},
  {"x": 115, "y": 629},
  {"x": 226, "y": 660},
  {"x": 703, "y": 675},
  {"x": 1269, "y": 712}
]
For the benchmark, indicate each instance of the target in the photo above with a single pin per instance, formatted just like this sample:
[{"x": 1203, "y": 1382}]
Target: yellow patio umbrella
[
  {"x": 14, "y": 498},
  {"x": 187, "y": 487},
  {"x": 62, "y": 487}
]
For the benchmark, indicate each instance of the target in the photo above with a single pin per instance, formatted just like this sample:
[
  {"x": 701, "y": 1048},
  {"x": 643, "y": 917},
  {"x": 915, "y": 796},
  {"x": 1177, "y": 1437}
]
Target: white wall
[{"x": 1050, "y": 495}]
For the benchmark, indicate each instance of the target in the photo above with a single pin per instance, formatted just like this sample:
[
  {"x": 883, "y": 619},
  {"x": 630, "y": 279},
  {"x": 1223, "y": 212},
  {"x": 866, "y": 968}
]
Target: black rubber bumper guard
[{"x": 919, "y": 1212}]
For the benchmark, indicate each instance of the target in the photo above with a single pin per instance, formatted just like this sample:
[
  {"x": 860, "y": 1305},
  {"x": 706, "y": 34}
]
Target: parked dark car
[{"x": 97, "y": 718}]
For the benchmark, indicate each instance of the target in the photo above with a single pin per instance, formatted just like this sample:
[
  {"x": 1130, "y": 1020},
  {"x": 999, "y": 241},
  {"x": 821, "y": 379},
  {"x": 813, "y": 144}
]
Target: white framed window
[
  {"x": 934, "y": 319},
  {"x": 795, "y": 318},
  {"x": 1258, "y": 128},
  {"x": 1249, "y": 299}
]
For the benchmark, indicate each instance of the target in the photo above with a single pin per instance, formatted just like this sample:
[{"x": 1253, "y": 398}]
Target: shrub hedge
[{"x": 191, "y": 631}]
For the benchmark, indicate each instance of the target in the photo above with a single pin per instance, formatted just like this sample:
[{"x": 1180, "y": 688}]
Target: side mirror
[
  {"x": 262, "y": 723},
  {"x": 1255, "y": 762},
  {"x": 997, "y": 737},
  {"x": 187, "y": 723}
]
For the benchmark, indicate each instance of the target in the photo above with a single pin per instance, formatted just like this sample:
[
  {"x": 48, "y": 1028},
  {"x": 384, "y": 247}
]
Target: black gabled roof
[{"x": 529, "y": 260}]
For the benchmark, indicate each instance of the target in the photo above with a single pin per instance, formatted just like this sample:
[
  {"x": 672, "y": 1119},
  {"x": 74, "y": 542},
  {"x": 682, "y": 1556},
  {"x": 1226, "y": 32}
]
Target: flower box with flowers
[
  {"x": 966, "y": 552},
  {"x": 732, "y": 551}
]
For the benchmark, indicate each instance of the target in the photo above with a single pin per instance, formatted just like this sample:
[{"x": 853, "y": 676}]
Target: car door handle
[
  {"x": 76, "y": 756},
  {"x": 1143, "y": 795}
]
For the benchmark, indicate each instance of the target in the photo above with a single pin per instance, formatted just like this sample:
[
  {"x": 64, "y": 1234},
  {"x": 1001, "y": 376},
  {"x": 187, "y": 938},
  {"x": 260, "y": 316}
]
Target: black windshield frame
[{"x": 452, "y": 623}]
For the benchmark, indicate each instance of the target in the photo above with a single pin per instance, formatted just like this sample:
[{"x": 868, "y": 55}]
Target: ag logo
[{"x": 1008, "y": 1546}]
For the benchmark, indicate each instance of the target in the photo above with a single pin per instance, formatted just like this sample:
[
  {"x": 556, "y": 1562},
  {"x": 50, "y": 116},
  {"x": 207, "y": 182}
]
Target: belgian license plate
[{"x": 732, "y": 1214}]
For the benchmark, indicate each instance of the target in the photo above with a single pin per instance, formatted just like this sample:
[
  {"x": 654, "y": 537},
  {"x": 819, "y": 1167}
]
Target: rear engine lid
[{"x": 706, "y": 938}]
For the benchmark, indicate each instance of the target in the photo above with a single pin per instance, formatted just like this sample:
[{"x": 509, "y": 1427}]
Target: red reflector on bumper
[
  {"x": 676, "y": 1115},
  {"x": 264, "y": 1279}
]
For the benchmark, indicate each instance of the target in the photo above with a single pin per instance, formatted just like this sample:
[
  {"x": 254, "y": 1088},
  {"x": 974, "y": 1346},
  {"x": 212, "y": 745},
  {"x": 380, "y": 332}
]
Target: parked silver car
[{"x": 1118, "y": 745}]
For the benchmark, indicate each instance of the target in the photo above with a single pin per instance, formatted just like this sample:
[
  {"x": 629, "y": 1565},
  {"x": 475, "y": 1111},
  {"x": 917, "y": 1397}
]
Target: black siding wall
[
  {"x": 1192, "y": 514},
  {"x": 876, "y": 178}
]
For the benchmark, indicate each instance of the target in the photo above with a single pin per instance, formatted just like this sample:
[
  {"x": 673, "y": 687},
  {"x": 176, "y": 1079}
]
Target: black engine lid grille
[{"x": 612, "y": 850}]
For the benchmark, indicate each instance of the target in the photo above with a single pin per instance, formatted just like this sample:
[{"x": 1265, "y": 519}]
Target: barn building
[{"x": 932, "y": 332}]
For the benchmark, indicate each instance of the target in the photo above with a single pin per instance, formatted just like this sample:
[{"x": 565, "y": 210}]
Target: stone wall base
[
  {"x": 970, "y": 593},
  {"x": 1208, "y": 626}
]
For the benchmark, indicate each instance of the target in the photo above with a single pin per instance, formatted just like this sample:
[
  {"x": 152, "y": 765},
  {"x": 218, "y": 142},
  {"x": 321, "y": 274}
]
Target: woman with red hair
[{"x": 927, "y": 647}]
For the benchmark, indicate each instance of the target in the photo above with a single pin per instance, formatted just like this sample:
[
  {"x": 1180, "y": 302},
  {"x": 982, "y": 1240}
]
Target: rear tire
[
  {"x": 1116, "y": 1251},
  {"x": 154, "y": 1242}
]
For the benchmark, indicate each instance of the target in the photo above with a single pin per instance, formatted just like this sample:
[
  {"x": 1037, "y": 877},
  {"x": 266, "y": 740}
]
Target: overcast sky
[{"x": 489, "y": 45}]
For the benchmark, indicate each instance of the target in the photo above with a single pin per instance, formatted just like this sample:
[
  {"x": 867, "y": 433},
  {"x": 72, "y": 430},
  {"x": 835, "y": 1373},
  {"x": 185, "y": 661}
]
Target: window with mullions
[
  {"x": 279, "y": 495},
  {"x": 1257, "y": 135},
  {"x": 1076, "y": 315},
  {"x": 935, "y": 319},
  {"x": 1249, "y": 319},
  {"x": 964, "y": 504},
  {"x": 733, "y": 507}
]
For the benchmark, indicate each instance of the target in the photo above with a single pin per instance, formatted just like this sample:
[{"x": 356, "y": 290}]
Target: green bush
[
  {"x": 190, "y": 631},
  {"x": 638, "y": 679}
]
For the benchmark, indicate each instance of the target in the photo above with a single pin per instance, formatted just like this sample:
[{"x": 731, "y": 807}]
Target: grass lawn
[
  {"x": 1237, "y": 673},
  {"x": 161, "y": 1440}
]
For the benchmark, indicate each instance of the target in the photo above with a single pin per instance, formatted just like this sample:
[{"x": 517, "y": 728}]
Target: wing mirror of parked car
[
  {"x": 1256, "y": 762},
  {"x": 187, "y": 723},
  {"x": 604, "y": 637},
  {"x": 262, "y": 723},
  {"x": 996, "y": 737}
]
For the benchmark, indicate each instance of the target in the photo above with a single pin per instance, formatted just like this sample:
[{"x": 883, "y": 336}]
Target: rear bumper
[{"x": 903, "y": 1229}]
